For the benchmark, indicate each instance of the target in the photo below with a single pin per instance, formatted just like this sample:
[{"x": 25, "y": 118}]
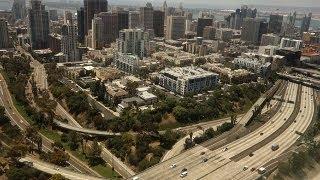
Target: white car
[
  {"x": 135, "y": 178},
  {"x": 184, "y": 174},
  {"x": 173, "y": 166}
]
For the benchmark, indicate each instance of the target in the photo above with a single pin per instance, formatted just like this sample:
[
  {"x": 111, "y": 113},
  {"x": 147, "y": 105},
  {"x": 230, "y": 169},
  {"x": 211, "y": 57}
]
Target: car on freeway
[
  {"x": 262, "y": 170},
  {"x": 274, "y": 147},
  {"x": 184, "y": 174},
  {"x": 184, "y": 169},
  {"x": 173, "y": 166},
  {"x": 245, "y": 168}
]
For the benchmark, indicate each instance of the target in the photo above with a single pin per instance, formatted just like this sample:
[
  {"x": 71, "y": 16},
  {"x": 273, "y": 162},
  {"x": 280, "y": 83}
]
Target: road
[
  {"x": 53, "y": 169},
  {"x": 179, "y": 146},
  {"x": 85, "y": 130},
  {"x": 14, "y": 115},
  {"x": 219, "y": 160}
]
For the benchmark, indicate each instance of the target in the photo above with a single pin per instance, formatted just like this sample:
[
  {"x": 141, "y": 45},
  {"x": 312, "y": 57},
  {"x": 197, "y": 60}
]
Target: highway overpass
[{"x": 84, "y": 130}]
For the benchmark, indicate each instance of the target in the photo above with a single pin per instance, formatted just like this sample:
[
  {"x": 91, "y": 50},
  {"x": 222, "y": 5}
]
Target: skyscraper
[
  {"x": 38, "y": 25},
  {"x": 202, "y": 23},
  {"x": 252, "y": 30},
  {"x": 146, "y": 16},
  {"x": 134, "y": 19},
  {"x": 305, "y": 23},
  {"x": 123, "y": 19},
  {"x": 68, "y": 17},
  {"x": 69, "y": 42},
  {"x": 131, "y": 41},
  {"x": 97, "y": 33},
  {"x": 4, "y": 35},
  {"x": 275, "y": 23},
  {"x": 158, "y": 23},
  {"x": 53, "y": 15},
  {"x": 176, "y": 26},
  {"x": 110, "y": 27},
  {"x": 80, "y": 20},
  {"x": 92, "y": 7},
  {"x": 19, "y": 9}
]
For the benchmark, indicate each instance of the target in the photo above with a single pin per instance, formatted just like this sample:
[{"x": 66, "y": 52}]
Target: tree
[
  {"x": 181, "y": 114},
  {"x": 57, "y": 177},
  {"x": 59, "y": 157},
  {"x": 74, "y": 140},
  {"x": 132, "y": 87},
  {"x": 94, "y": 154},
  {"x": 168, "y": 139},
  {"x": 234, "y": 119}
]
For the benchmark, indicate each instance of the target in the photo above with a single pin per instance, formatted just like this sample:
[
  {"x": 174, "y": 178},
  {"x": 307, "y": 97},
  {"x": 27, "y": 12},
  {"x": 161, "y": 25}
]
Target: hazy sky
[{"x": 204, "y": 3}]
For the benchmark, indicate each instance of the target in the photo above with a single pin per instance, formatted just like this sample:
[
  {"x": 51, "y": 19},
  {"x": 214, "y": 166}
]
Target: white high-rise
[
  {"x": 131, "y": 41},
  {"x": 69, "y": 42}
]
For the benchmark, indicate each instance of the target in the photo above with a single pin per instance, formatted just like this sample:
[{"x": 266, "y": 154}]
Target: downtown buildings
[
  {"x": 38, "y": 25},
  {"x": 19, "y": 9},
  {"x": 92, "y": 7},
  {"x": 4, "y": 35}
]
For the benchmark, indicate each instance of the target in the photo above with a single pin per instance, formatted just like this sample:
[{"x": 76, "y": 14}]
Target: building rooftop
[{"x": 187, "y": 72}]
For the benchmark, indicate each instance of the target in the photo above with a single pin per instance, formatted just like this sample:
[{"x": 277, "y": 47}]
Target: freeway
[
  {"x": 15, "y": 117},
  {"x": 285, "y": 140},
  {"x": 84, "y": 130},
  {"x": 53, "y": 169},
  {"x": 179, "y": 146},
  {"x": 220, "y": 158}
]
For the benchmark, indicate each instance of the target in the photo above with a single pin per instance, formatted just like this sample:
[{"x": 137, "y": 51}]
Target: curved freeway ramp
[
  {"x": 53, "y": 169},
  {"x": 84, "y": 130}
]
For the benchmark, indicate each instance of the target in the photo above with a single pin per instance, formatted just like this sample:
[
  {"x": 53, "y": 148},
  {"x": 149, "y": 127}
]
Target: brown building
[
  {"x": 110, "y": 28},
  {"x": 158, "y": 23},
  {"x": 92, "y": 7},
  {"x": 55, "y": 43}
]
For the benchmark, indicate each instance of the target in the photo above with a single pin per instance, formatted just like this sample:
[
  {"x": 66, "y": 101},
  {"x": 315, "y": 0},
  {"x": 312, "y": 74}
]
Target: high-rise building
[
  {"x": 68, "y": 17},
  {"x": 235, "y": 20},
  {"x": 19, "y": 9},
  {"x": 92, "y": 7},
  {"x": 53, "y": 15},
  {"x": 270, "y": 39},
  {"x": 69, "y": 42},
  {"x": 165, "y": 10},
  {"x": 209, "y": 32},
  {"x": 146, "y": 16},
  {"x": 288, "y": 24},
  {"x": 305, "y": 23},
  {"x": 80, "y": 22},
  {"x": 4, "y": 35},
  {"x": 275, "y": 23},
  {"x": 97, "y": 33},
  {"x": 224, "y": 34},
  {"x": 38, "y": 25},
  {"x": 176, "y": 26},
  {"x": 252, "y": 30},
  {"x": 131, "y": 41},
  {"x": 123, "y": 20},
  {"x": 290, "y": 43},
  {"x": 134, "y": 19},
  {"x": 158, "y": 23},
  {"x": 110, "y": 27},
  {"x": 202, "y": 23}
]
